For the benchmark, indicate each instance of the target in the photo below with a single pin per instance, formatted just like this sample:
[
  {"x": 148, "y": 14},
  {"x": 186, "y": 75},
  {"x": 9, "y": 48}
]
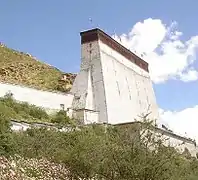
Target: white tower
[{"x": 113, "y": 85}]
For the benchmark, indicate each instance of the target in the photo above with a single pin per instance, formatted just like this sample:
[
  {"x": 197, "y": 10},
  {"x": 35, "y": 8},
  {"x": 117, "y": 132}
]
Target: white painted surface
[
  {"x": 15, "y": 126},
  {"x": 48, "y": 100},
  {"x": 22, "y": 126},
  {"x": 91, "y": 117},
  {"x": 88, "y": 88},
  {"x": 112, "y": 85},
  {"x": 86, "y": 116},
  {"x": 108, "y": 89},
  {"x": 178, "y": 142},
  {"x": 128, "y": 88}
]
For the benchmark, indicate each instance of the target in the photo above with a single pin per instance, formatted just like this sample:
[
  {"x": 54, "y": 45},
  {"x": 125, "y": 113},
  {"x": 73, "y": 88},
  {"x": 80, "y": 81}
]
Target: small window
[
  {"x": 62, "y": 106},
  {"x": 118, "y": 87},
  {"x": 76, "y": 97}
]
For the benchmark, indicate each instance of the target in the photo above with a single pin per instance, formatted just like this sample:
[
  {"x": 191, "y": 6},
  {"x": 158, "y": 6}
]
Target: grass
[
  {"x": 22, "y": 111},
  {"x": 23, "y": 69}
]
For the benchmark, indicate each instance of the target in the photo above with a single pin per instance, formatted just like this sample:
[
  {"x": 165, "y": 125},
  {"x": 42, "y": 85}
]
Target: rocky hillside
[
  {"x": 23, "y": 69},
  {"x": 19, "y": 168}
]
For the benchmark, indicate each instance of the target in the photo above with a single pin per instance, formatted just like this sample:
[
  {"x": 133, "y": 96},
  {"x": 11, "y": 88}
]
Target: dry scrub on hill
[
  {"x": 90, "y": 152},
  {"x": 19, "y": 168},
  {"x": 23, "y": 69}
]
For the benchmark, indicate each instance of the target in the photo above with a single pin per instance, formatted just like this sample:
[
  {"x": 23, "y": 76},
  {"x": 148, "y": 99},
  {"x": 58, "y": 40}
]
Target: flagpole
[{"x": 91, "y": 22}]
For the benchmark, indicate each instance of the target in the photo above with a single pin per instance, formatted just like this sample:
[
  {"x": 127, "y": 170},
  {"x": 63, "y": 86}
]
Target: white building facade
[
  {"x": 113, "y": 82},
  {"x": 112, "y": 87}
]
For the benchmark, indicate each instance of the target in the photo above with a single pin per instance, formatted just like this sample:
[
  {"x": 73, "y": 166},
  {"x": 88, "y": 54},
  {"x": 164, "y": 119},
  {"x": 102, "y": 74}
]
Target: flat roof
[{"x": 98, "y": 34}]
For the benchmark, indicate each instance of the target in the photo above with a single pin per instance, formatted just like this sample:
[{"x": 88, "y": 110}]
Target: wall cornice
[{"x": 98, "y": 34}]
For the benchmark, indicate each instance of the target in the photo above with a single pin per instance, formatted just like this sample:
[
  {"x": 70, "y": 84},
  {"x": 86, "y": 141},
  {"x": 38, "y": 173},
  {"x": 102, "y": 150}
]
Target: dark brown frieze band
[{"x": 96, "y": 34}]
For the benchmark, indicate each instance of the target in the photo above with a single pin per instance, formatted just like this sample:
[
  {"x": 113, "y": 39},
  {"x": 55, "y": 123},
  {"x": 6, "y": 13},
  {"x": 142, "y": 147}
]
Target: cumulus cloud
[
  {"x": 169, "y": 57},
  {"x": 182, "y": 122}
]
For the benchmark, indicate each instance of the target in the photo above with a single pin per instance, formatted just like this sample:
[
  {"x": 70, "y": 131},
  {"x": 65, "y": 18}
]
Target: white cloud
[
  {"x": 191, "y": 75},
  {"x": 169, "y": 57},
  {"x": 184, "y": 122}
]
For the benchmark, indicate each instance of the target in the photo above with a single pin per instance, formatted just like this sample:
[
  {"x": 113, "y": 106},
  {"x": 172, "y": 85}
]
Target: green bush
[
  {"x": 7, "y": 111},
  {"x": 94, "y": 151},
  {"x": 38, "y": 112},
  {"x": 61, "y": 119},
  {"x": 22, "y": 110},
  {"x": 7, "y": 144},
  {"x": 106, "y": 153}
]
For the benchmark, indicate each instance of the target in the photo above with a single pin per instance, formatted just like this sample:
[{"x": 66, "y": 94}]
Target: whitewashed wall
[
  {"x": 168, "y": 138},
  {"x": 112, "y": 85},
  {"x": 23, "y": 126},
  {"x": 88, "y": 88},
  {"x": 48, "y": 100},
  {"x": 128, "y": 88},
  {"x": 178, "y": 142},
  {"x": 86, "y": 116}
]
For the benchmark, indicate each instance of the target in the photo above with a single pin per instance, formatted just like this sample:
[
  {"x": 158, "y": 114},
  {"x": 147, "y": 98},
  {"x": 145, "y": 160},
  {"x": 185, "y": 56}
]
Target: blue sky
[{"x": 50, "y": 30}]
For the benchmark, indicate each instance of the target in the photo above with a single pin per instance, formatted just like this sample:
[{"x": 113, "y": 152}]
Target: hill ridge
[{"x": 24, "y": 69}]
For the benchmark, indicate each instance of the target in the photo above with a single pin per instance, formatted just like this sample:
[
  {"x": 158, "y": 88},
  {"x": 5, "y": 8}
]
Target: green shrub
[
  {"x": 7, "y": 111},
  {"x": 38, "y": 112},
  {"x": 95, "y": 151},
  {"x": 99, "y": 152},
  {"x": 22, "y": 110},
  {"x": 25, "y": 111},
  {"x": 7, "y": 144},
  {"x": 62, "y": 119}
]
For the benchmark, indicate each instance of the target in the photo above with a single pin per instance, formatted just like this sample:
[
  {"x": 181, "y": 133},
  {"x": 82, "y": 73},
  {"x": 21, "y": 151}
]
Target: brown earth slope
[{"x": 23, "y": 69}]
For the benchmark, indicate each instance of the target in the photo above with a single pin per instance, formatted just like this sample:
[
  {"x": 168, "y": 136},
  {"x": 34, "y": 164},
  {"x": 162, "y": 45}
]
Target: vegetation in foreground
[
  {"x": 23, "y": 69},
  {"x": 22, "y": 111},
  {"x": 19, "y": 168},
  {"x": 93, "y": 152}
]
